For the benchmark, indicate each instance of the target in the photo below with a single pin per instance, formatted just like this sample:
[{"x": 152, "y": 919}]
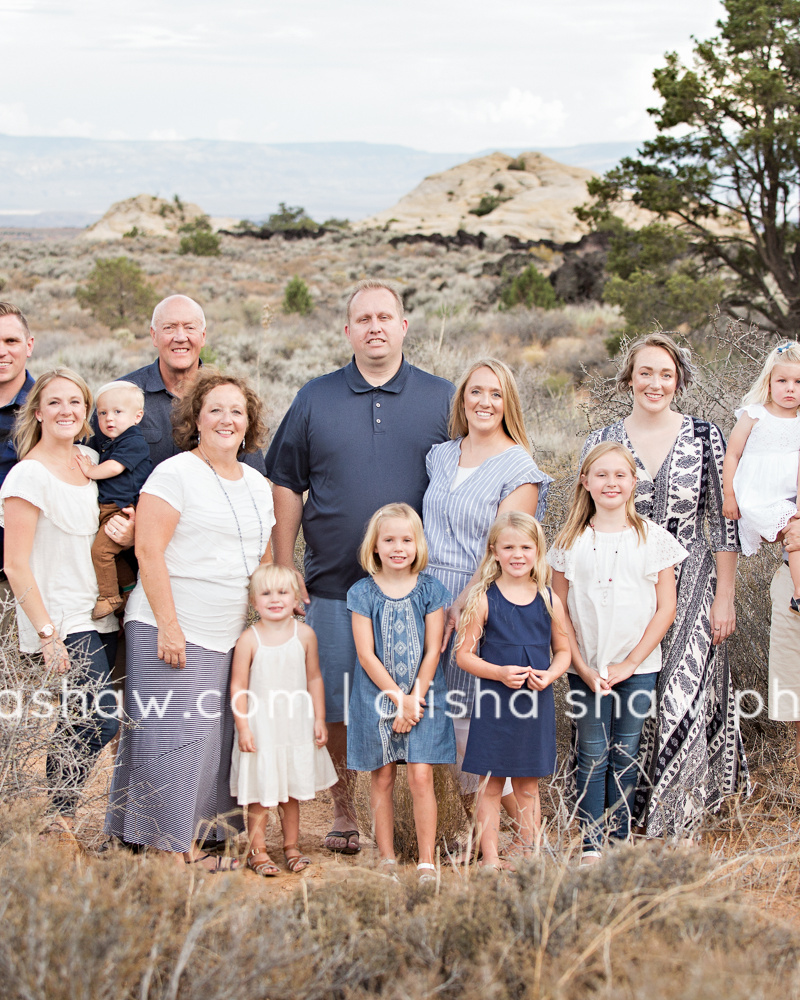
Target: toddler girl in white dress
[
  {"x": 278, "y": 701},
  {"x": 762, "y": 463}
]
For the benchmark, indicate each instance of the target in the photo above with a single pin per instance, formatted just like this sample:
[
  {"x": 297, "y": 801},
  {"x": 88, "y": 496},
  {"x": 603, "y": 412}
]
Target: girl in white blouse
[{"x": 614, "y": 572}]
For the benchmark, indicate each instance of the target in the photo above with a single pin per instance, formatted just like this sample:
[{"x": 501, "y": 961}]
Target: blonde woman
[
  {"x": 485, "y": 469},
  {"x": 50, "y": 515}
]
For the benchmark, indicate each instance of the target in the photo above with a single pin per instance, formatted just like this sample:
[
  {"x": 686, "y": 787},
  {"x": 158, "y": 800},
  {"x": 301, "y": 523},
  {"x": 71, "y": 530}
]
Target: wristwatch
[{"x": 47, "y": 631}]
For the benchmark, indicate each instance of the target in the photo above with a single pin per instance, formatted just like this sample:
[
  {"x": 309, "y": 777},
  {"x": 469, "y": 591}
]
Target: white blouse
[
  {"x": 219, "y": 518},
  {"x": 612, "y": 591},
  {"x": 61, "y": 557}
]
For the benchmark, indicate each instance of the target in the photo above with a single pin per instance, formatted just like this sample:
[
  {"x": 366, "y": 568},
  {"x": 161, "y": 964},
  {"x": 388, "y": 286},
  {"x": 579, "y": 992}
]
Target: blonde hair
[
  {"x": 375, "y": 284},
  {"x": 583, "y": 507},
  {"x": 367, "y": 555},
  {"x": 788, "y": 353},
  {"x": 28, "y": 430},
  {"x": 121, "y": 386},
  {"x": 273, "y": 575},
  {"x": 489, "y": 569},
  {"x": 513, "y": 422},
  {"x": 681, "y": 357}
]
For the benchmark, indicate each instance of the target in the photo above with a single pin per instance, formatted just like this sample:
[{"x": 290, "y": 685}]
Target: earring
[{"x": 38, "y": 420}]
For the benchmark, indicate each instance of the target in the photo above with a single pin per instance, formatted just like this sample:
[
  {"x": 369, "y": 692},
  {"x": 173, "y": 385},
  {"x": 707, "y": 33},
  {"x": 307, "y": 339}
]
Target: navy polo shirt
[
  {"x": 355, "y": 447},
  {"x": 156, "y": 424},
  {"x": 8, "y": 453},
  {"x": 131, "y": 450}
]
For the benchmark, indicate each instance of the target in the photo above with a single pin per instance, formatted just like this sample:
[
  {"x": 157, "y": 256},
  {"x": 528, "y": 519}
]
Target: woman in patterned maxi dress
[{"x": 691, "y": 752}]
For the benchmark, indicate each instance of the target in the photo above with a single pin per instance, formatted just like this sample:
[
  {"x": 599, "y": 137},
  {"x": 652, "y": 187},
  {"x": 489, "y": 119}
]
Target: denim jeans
[
  {"x": 81, "y": 734},
  {"x": 609, "y": 728}
]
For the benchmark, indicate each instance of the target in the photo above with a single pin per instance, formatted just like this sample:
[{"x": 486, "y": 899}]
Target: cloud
[
  {"x": 232, "y": 129},
  {"x": 518, "y": 113},
  {"x": 154, "y": 36},
  {"x": 69, "y": 127},
  {"x": 14, "y": 120}
]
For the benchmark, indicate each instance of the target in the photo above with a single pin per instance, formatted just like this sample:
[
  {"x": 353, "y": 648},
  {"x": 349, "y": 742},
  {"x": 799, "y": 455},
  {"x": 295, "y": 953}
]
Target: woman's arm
[
  {"x": 468, "y": 659},
  {"x": 408, "y": 707},
  {"x": 157, "y": 521},
  {"x": 314, "y": 683},
  {"x": 21, "y": 518},
  {"x": 666, "y": 604},
  {"x": 723, "y": 612},
  {"x": 736, "y": 443},
  {"x": 434, "y": 627},
  {"x": 243, "y": 653}
]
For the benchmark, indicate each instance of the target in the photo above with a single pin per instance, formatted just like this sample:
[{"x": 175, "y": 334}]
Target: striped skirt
[{"x": 171, "y": 777}]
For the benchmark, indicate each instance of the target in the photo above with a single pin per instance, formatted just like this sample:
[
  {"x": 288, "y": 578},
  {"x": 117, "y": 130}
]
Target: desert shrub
[
  {"x": 200, "y": 240},
  {"x": 529, "y": 288},
  {"x": 518, "y": 164},
  {"x": 487, "y": 204},
  {"x": 297, "y": 297},
  {"x": 116, "y": 292},
  {"x": 289, "y": 217}
]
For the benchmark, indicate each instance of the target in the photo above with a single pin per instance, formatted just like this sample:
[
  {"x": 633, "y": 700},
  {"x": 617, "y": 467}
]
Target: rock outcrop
[
  {"x": 533, "y": 198},
  {"x": 146, "y": 215}
]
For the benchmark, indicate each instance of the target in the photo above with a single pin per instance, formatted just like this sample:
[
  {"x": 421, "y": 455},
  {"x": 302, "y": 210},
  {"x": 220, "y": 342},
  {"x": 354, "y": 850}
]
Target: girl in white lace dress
[
  {"x": 762, "y": 463},
  {"x": 278, "y": 701}
]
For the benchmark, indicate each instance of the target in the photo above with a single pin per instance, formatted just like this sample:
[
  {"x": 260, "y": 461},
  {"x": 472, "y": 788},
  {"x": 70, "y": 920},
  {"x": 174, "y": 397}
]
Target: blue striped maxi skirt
[{"x": 171, "y": 777}]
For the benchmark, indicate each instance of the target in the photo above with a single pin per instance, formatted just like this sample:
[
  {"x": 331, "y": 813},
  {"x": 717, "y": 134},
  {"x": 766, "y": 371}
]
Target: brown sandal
[
  {"x": 295, "y": 862},
  {"x": 267, "y": 868}
]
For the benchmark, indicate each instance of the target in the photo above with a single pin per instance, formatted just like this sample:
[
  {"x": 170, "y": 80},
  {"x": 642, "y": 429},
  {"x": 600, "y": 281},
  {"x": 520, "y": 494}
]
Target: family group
[{"x": 435, "y": 618}]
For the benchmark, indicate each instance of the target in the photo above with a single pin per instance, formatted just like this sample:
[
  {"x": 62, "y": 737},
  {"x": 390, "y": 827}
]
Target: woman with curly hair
[{"x": 203, "y": 525}]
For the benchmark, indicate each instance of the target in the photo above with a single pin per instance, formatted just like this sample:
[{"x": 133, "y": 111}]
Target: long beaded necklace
[
  {"x": 605, "y": 585},
  {"x": 233, "y": 511}
]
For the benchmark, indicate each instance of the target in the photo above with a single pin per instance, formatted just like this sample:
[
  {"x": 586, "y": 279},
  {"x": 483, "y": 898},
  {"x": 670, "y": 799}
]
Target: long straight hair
[
  {"x": 490, "y": 569},
  {"x": 583, "y": 507},
  {"x": 513, "y": 421},
  {"x": 28, "y": 430}
]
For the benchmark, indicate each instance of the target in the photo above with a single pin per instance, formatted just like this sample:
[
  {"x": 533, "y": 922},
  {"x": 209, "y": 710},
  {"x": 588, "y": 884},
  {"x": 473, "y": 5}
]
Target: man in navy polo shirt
[
  {"x": 16, "y": 346},
  {"x": 355, "y": 439},
  {"x": 178, "y": 332}
]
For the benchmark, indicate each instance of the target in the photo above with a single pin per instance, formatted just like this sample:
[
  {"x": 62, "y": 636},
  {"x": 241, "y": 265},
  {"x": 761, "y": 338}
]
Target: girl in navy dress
[
  {"x": 399, "y": 702},
  {"x": 509, "y": 628}
]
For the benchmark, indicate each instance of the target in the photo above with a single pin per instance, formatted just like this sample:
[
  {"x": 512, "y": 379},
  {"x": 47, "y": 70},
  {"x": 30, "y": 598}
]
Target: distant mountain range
[{"x": 47, "y": 182}]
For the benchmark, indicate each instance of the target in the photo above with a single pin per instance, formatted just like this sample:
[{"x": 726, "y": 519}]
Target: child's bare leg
[
  {"x": 529, "y": 816},
  {"x": 420, "y": 784},
  {"x": 488, "y": 818},
  {"x": 794, "y": 569},
  {"x": 257, "y": 825},
  {"x": 290, "y": 821},
  {"x": 382, "y": 803}
]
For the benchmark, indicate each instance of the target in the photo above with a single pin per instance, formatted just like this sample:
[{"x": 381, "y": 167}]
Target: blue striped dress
[{"x": 457, "y": 523}]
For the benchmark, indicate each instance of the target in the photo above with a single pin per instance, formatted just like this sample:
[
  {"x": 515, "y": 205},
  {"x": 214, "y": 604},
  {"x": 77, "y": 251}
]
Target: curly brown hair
[{"x": 186, "y": 410}]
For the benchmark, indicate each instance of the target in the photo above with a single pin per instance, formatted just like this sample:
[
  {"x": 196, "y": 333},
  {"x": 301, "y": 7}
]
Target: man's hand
[{"x": 120, "y": 527}]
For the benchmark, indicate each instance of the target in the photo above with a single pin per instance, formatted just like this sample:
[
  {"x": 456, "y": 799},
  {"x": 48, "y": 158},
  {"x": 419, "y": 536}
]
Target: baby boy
[{"x": 124, "y": 466}]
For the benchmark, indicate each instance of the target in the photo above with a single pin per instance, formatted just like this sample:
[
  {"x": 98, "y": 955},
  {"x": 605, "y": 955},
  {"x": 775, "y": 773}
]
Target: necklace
[
  {"x": 233, "y": 511},
  {"x": 603, "y": 583}
]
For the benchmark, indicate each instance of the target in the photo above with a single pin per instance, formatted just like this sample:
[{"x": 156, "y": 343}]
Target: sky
[{"x": 436, "y": 75}]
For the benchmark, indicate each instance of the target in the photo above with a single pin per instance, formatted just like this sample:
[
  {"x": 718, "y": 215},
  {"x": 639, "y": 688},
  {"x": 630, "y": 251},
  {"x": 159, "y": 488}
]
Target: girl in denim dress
[{"x": 399, "y": 700}]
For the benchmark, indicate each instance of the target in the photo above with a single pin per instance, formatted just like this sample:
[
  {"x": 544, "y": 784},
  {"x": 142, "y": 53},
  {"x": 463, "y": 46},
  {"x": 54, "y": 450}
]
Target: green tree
[
  {"x": 200, "y": 240},
  {"x": 117, "y": 293},
  {"x": 530, "y": 288},
  {"x": 725, "y": 167},
  {"x": 297, "y": 298},
  {"x": 288, "y": 217}
]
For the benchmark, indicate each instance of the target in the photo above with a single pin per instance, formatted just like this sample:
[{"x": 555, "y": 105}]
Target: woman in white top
[
  {"x": 203, "y": 525},
  {"x": 50, "y": 515}
]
